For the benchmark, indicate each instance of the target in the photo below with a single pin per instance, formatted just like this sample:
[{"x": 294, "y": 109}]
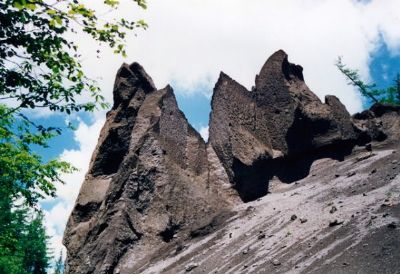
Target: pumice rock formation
[
  {"x": 148, "y": 180},
  {"x": 379, "y": 123},
  {"x": 279, "y": 118},
  {"x": 158, "y": 199}
]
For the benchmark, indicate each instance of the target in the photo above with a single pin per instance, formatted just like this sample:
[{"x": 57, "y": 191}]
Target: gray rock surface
[
  {"x": 158, "y": 199},
  {"x": 279, "y": 118},
  {"x": 148, "y": 182},
  {"x": 379, "y": 123}
]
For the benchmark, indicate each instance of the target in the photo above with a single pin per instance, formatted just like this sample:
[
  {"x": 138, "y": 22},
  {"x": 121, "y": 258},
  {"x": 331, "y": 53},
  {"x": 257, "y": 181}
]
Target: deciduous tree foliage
[
  {"x": 41, "y": 68},
  {"x": 24, "y": 176}
]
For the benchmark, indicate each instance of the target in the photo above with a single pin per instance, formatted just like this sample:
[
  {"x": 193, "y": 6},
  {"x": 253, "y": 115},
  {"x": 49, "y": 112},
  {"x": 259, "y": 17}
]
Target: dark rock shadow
[{"x": 252, "y": 182}]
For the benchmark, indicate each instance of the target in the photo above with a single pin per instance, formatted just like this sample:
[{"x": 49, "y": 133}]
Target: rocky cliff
[
  {"x": 260, "y": 133},
  {"x": 157, "y": 198}
]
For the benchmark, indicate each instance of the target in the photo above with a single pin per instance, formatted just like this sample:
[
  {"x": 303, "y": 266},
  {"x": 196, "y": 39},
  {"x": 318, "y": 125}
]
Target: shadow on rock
[{"x": 252, "y": 182}]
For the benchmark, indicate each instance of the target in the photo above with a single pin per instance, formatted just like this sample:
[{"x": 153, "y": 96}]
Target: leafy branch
[{"x": 47, "y": 71}]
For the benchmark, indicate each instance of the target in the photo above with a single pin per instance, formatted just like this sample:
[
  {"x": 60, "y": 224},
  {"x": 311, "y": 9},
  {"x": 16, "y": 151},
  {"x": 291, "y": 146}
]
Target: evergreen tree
[
  {"x": 389, "y": 95},
  {"x": 23, "y": 240},
  {"x": 59, "y": 267},
  {"x": 35, "y": 240},
  {"x": 11, "y": 252}
]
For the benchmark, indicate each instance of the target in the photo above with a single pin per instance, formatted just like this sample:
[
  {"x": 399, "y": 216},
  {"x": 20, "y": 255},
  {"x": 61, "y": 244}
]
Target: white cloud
[
  {"x": 384, "y": 15},
  {"x": 55, "y": 221},
  {"x": 86, "y": 136},
  {"x": 204, "y": 133},
  {"x": 190, "y": 41},
  {"x": 56, "y": 218}
]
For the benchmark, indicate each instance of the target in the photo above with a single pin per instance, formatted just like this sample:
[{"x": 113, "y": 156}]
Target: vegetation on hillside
[{"x": 40, "y": 67}]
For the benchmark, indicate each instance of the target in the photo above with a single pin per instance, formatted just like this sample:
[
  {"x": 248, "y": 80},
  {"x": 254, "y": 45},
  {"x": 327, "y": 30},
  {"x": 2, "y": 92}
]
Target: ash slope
[
  {"x": 340, "y": 219},
  {"x": 158, "y": 199}
]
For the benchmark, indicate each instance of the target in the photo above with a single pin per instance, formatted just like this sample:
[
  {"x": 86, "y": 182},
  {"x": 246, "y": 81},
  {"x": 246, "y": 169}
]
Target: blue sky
[
  {"x": 189, "y": 42},
  {"x": 196, "y": 107},
  {"x": 384, "y": 66}
]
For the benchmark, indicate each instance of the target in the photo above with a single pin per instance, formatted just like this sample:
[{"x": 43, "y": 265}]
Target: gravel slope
[{"x": 342, "y": 218}]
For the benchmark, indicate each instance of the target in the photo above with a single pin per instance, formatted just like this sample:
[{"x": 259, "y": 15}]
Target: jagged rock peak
[
  {"x": 277, "y": 67},
  {"x": 132, "y": 85},
  {"x": 128, "y": 79},
  {"x": 151, "y": 180},
  {"x": 280, "y": 117}
]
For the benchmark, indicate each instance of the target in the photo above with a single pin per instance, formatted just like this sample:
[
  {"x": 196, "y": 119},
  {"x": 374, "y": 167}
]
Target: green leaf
[
  {"x": 51, "y": 11},
  {"x": 18, "y": 5},
  {"x": 141, "y": 3},
  {"x": 31, "y": 6},
  {"x": 112, "y": 3},
  {"x": 58, "y": 20}
]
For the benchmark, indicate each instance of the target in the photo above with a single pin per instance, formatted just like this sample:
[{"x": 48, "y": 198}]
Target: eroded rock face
[
  {"x": 153, "y": 184},
  {"x": 293, "y": 115},
  {"x": 379, "y": 123},
  {"x": 279, "y": 118},
  {"x": 148, "y": 182},
  {"x": 130, "y": 89}
]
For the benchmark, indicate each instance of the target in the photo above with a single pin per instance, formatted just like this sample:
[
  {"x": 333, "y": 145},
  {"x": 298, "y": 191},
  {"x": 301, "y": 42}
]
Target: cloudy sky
[{"x": 190, "y": 41}]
